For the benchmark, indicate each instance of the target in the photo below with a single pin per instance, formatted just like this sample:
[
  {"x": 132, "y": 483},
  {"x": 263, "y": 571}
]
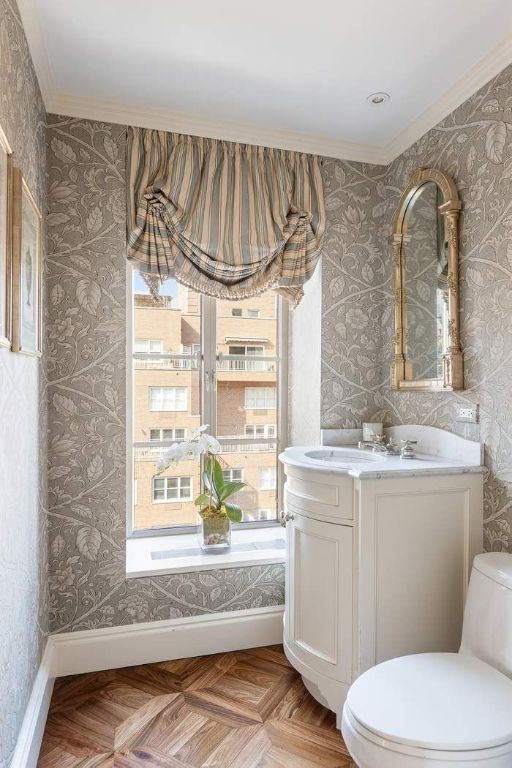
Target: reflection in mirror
[
  {"x": 425, "y": 283},
  {"x": 427, "y": 351}
]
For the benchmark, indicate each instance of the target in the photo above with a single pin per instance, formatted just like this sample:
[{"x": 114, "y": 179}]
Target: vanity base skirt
[{"x": 328, "y": 692}]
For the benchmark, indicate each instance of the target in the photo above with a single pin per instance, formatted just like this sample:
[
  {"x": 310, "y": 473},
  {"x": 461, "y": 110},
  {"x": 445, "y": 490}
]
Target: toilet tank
[{"x": 487, "y": 630}]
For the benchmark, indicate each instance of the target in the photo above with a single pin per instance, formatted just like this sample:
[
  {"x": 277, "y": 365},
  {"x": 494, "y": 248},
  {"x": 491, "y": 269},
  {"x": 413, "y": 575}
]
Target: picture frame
[
  {"x": 26, "y": 268},
  {"x": 5, "y": 240}
]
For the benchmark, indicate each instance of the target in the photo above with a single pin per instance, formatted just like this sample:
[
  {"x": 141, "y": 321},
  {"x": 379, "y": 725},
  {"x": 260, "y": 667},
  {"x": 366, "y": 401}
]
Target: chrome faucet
[
  {"x": 376, "y": 444},
  {"x": 407, "y": 451}
]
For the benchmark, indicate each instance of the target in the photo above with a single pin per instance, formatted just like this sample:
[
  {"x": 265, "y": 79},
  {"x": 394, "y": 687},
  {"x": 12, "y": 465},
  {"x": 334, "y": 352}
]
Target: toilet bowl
[{"x": 443, "y": 710}]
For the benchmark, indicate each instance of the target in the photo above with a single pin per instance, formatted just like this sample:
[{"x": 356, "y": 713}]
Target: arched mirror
[{"x": 428, "y": 355}]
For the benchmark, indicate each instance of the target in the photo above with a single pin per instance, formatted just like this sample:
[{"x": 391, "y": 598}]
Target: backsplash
[
  {"x": 87, "y": 412},
  {"x": 473, "y": 144}
]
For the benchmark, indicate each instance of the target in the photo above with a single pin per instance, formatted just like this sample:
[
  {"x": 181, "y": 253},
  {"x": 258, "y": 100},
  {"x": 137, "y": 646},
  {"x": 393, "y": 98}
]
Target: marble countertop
[{"x": 351, "y": 460}]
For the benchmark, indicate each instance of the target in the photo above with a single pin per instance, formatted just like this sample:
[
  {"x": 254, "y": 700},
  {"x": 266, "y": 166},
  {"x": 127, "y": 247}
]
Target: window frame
[
  {"x": 231, "y": 479},
  {"x": 163, "y": 439},
  {"x": 180, "y": 499},
  {"x": 261, "y": 407},
  {"x": 207, "y": 368},
  {"x": 264, "y": 487},
  {"x": 167, "y": 410}
]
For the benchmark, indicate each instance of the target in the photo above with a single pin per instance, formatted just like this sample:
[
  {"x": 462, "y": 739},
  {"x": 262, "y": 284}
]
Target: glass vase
[{"x": 214, "y": 533}]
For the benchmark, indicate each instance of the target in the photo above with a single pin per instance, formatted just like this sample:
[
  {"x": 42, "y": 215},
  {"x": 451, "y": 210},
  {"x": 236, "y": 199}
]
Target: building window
[
  {"x": 260, "y": 430},
  {"x": 249, "y": 313},
  {"x": 231, "y": 475},
  {"x": 146, "y": 346},
  {"x": 174, "y": 433},
  {"x": 260, "y": 397},
  {"x": 268, "y": 477},
  {"x": 168, "y": 398},
  {"x": 167, "y": 489}
]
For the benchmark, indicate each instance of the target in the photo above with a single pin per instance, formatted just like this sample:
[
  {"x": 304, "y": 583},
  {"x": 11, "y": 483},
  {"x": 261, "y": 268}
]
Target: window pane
[
  {"x": 166, "y": 401},
  {"x": 246, "y": 399}
]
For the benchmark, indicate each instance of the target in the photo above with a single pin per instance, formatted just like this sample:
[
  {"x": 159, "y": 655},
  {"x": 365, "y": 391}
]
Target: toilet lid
[{"x": 435, "y": 701}]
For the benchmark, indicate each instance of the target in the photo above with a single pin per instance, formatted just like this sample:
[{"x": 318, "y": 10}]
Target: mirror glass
[{"x": 425, "y": 284}]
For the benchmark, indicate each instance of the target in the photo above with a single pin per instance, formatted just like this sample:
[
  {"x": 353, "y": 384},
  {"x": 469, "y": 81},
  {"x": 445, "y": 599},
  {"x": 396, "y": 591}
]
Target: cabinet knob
[{"x": 285, "y": 518}]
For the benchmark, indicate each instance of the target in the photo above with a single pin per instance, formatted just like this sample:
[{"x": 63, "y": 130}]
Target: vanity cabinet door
[{"x": 319, "y": 595}]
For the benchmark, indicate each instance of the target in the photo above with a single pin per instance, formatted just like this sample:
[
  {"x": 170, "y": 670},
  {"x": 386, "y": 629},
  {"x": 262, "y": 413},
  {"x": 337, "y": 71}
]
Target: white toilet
[{"x": 443, "y": 710}]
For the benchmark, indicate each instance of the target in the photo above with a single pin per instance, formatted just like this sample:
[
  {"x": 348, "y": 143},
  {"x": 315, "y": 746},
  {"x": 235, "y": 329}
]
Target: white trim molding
[
  {"x": 195, "y": 125},
  {"x": 481, "y": 73},
  {"x": 125, "y": 646},
  {"x": 73, "y": 653},
  {"x": 139, "y": 115},
  {"x": 30, "y": 736}
]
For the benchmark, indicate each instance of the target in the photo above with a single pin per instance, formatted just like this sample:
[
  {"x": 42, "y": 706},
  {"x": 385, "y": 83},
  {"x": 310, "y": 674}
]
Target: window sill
[{"x": 161, "y": 555}]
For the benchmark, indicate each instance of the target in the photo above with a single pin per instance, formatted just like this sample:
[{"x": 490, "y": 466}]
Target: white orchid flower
[
  {"x": 200, "y": 443},
  {"x": 197, "y": 431},
  {"x": 209, "y": 444}
]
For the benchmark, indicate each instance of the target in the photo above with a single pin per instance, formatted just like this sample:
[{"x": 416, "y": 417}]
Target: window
[
  {"x": 167, "y": 398},
  {"x": 173, "y": 433},
  {"x": 200, "y": 367},
  {"x": 249, "y": 313},
  {"x": 233, "y": 474},
  {"x": 260, "y": 397},
  {"x": 148, "y": 345},
  {"x": 190, "y": 349},
  {"x": 172, "y": 489},
  {"x": 268, "y": 477},
  {"x": 260, "y": 430}
]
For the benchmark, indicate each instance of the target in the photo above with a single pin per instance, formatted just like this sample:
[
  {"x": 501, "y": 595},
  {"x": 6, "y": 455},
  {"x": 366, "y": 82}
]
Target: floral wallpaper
[
  {"x": 23, "y": 596},
  {"x": 354, "y": 300},
  {"x": 474, "y": 145},
  {"x": 86, "y": 283}
]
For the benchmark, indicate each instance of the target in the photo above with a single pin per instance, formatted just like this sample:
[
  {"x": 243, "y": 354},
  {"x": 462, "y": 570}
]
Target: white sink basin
[{"x": 344, "y": 456}]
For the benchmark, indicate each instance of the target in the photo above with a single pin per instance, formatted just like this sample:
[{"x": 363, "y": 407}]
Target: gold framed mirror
[{"x": 425, "y": 243}]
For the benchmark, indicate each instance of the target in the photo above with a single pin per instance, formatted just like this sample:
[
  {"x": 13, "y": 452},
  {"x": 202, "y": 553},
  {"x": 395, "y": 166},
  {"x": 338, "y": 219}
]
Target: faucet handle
[
  {"x": 391, "y": 448},
  {"x": 407, "y": 451}
]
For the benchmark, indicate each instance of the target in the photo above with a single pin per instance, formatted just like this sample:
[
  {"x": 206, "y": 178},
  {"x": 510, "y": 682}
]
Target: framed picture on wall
[
  {"x": 5, "y": 240},
  {"x": 26, "y": 268}
]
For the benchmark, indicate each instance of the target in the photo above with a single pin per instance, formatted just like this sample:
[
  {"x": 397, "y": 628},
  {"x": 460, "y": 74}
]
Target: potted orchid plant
[{"x": 216, "y": 511}]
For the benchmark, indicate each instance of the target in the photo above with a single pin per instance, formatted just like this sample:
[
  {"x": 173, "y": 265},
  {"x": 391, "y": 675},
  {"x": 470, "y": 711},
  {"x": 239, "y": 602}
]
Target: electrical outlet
[{"x": 468, "y": 413}]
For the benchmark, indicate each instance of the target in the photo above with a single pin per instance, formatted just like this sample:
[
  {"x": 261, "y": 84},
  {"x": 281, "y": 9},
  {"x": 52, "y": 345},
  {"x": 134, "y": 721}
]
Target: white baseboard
[
  {"x": 73, "y": 653},
  {"x": 127, "y": 645},
  {"x": 32, "y": 727}
]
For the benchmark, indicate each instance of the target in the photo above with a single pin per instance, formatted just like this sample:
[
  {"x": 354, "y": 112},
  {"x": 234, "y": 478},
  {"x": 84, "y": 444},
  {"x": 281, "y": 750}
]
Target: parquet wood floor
[{"x": 235, "y": 710}]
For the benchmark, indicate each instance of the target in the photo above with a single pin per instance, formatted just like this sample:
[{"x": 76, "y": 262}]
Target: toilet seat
[{"x": 436, "y": 701}]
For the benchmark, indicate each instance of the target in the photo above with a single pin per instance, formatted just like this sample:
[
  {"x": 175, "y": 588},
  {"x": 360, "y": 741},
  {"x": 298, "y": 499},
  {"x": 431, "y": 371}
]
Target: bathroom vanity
[{"x": 379, "y": 552}]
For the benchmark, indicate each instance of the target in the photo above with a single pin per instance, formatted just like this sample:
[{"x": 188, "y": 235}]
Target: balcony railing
[
  {"x": 167, "y": 362},
  {"x": 247, "y": 447},
  {"x": 246, "y": 365},
  {"x": 145, "y": 451},
  {"x": 174, "y": 361}
]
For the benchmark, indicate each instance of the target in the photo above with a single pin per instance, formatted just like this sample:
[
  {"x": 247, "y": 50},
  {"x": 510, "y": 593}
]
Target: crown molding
[
  {"x": 194, "y": 125},
  {"x": 168, "y": 120},
  {"x": 37, "y": 46},
  {"x": 475, "y": 78}
]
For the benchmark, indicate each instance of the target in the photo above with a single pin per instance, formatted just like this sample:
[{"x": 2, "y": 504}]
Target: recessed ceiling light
[{"x": 378, "y": 98}]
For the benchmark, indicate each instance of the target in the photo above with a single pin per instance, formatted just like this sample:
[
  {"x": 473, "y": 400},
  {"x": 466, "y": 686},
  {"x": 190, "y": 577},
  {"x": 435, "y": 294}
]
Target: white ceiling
[{"x": 291, "y": 73}]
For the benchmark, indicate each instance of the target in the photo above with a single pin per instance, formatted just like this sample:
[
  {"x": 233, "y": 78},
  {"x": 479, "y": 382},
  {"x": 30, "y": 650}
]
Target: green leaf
[
  {"x": 230, "y": 488},
  {"x": 210, "y": 488},
  {"x": 234, "y": 512},
  {"x": 202, "y": 500},
  {"x": 218, "y": 477}
]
